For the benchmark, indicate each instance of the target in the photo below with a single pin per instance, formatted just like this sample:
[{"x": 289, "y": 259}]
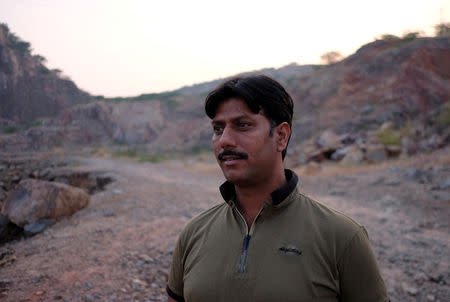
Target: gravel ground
[{"x": 119, "y": 248}]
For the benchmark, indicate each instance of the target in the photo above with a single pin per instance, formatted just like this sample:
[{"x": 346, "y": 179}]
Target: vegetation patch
[
  {"x": 444, "y": 116},
  {"x": 164, "y": 96},
  {"x": 36, "y": 123},
  {"x": 10, "y": 129},
  {"x": 392, "y": 137}
]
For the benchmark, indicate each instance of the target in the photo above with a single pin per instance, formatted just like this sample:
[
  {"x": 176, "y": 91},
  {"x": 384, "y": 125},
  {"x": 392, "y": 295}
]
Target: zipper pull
[
  {"x": 246, "y": 241},
  {"x": 244, "y": 254}
]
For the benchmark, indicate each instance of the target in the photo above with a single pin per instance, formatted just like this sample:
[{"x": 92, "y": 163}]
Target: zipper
[{"x": 248, "y": 236}]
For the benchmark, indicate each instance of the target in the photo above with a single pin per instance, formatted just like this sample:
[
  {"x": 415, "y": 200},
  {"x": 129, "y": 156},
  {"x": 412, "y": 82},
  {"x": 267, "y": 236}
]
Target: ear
[{"x": 282, "y": 132}]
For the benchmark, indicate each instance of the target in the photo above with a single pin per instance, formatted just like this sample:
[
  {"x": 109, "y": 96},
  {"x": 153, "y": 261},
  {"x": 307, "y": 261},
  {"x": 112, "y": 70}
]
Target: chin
[
  {"x": 237, "y": 179},
  {"x": 232, "y": 177}
]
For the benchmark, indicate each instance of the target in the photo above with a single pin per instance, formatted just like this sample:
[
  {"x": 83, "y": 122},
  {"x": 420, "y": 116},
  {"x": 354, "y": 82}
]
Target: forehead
[{"x": 234, "y": 108}]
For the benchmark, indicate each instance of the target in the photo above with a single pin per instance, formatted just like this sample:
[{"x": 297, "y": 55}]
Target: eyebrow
[{"x": 240, "y": 117}]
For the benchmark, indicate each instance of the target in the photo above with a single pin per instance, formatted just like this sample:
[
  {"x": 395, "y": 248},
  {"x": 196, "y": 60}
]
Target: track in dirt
[{"x": 119, "y": 247}]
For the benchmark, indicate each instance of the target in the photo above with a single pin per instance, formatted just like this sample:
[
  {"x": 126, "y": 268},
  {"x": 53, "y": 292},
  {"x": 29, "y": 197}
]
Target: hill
[{"x": 392, "y": 92}]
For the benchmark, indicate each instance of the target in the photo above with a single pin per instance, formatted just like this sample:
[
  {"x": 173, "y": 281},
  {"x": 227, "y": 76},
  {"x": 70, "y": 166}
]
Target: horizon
[{"x": 157, "y": 54}]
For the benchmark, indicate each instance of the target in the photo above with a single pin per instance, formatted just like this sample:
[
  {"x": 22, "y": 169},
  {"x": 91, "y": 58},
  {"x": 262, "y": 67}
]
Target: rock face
[
  {"x": 28, "y": 90},
  {"x": 34, "y": 200}
]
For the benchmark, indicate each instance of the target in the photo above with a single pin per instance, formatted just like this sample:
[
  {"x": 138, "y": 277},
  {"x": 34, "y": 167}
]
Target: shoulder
[
  {"x": 203, "y": 221},
  {"x": 326, "y": 216},
  {"x": 331, "y": 227}
]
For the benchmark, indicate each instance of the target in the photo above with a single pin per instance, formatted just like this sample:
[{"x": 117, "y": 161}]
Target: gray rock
[
  {"x": 396, "y": 169},
  {"x": 441, "y": 195},
  {"x": 354, "y": 156},
  {"x": 337, "y": 193},
  {"x": 444, "y": 185},
  {"x": 328, "y": 141},
  {"x": 340, "y": 153},
  {"x": 89, "y": 285},
  {"x": 88, "y": 298},
  {"x": 366, "y": 109},
  {"x": 37, "y": 227},
  {"x": 418, "y": 175},
  {"x": 375, "y": 153},
  {"x": 392, "y": 182},
  {"x": 412, "y": 291}
]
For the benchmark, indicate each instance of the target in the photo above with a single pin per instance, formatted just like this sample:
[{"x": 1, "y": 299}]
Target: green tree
[
  {"x": 442, "y": 30},
  {"x": 389, "y": 37},
  {"x": 41, "y": 59},
  {"x": 412, "y": 35}
]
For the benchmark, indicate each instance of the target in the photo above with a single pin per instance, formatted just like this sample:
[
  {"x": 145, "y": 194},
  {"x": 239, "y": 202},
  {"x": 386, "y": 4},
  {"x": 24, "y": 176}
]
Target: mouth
[{"x": 231, "y": 157}]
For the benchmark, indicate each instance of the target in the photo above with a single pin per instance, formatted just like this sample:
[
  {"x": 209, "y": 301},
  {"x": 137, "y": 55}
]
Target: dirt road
[{"x": 119, "y": 247}]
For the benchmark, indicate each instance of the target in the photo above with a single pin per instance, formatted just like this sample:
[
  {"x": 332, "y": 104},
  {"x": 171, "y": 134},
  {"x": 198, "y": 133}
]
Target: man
[{"x": 267, "y": 241}]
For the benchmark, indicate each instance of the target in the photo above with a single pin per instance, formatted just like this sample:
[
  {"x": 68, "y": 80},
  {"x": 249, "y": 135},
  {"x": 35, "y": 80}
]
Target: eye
[
  {"x": 218, "y": 130},
  {"x": 243, "y": 125}
]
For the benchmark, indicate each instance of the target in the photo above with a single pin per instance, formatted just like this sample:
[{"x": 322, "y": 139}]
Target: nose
[{"x": 227, "y": 139}]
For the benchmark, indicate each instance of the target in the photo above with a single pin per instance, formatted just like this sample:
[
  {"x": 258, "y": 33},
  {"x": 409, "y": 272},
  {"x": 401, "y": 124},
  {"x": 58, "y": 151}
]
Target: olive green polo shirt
[{"x": 296, "y": 250}]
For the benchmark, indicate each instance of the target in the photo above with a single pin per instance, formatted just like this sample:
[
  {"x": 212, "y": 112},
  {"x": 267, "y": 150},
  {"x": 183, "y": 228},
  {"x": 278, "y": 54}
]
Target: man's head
[
  {"x": 261, "y": 94},
  {"x": 251, "y": 117}
]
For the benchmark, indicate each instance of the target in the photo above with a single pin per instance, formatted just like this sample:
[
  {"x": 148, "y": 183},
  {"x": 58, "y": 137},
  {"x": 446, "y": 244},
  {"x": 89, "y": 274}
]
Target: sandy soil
[{"x": 119, "y": 247}]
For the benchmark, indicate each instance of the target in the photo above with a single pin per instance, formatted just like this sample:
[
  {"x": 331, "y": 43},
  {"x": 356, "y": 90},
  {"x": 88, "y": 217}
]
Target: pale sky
[{"x": 123, "y": 48}]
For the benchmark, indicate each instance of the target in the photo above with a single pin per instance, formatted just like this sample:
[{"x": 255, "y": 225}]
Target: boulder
[
  {"x": 353, "y": 156},
  {"x": 375, "y": 153},
  {"x": 33, "y": 200}
]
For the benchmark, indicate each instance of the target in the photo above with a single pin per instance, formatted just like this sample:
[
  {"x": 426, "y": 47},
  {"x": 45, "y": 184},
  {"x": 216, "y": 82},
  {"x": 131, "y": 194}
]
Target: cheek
[{"x": 261, "y": 148}]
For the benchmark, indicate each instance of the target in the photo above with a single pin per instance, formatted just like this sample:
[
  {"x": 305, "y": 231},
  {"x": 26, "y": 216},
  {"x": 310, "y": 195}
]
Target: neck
[{"x": 251, "y": 198}]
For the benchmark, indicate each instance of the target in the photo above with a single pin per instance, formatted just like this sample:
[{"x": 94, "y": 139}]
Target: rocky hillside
[
  {"x": 28, "y": 89},
  {"x": 391, "y": 96}
]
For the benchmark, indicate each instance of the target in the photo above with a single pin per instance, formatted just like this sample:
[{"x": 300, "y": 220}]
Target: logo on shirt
[{"x": 290, "y": 250}]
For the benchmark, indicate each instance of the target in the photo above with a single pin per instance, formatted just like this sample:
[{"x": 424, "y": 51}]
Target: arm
[
  {"x": 175, "y": 283},
  {"x": 360, "y": 278}
]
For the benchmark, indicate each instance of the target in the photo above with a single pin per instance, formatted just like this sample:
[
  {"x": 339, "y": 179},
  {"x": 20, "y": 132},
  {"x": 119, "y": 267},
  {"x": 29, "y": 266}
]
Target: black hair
[{"x": 260, "y": 93}]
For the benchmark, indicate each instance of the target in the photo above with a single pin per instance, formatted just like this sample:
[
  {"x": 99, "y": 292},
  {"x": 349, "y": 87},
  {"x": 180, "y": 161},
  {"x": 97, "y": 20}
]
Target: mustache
[{"x": 231, "y": 152}]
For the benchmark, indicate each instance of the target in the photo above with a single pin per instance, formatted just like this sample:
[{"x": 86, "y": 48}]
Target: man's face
[{"x": 245, "y": 151}]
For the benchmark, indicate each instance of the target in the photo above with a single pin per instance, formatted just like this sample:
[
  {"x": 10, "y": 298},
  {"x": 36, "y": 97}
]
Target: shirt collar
[{"x": 228, "y": 192}]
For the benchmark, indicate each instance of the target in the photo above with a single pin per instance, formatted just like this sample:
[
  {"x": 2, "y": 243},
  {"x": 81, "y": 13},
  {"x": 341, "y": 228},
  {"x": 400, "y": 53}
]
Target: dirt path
[{"x": 119, "y": 247}]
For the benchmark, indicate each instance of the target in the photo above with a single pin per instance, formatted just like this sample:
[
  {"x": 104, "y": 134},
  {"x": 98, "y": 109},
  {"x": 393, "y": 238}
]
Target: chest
[{"x": 270, "y": 264}]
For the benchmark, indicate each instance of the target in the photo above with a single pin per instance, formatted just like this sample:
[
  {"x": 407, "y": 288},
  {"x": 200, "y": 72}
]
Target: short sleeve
[
  {"x": 175, "y": 283},
  {"x": 359, "y": 275}
]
